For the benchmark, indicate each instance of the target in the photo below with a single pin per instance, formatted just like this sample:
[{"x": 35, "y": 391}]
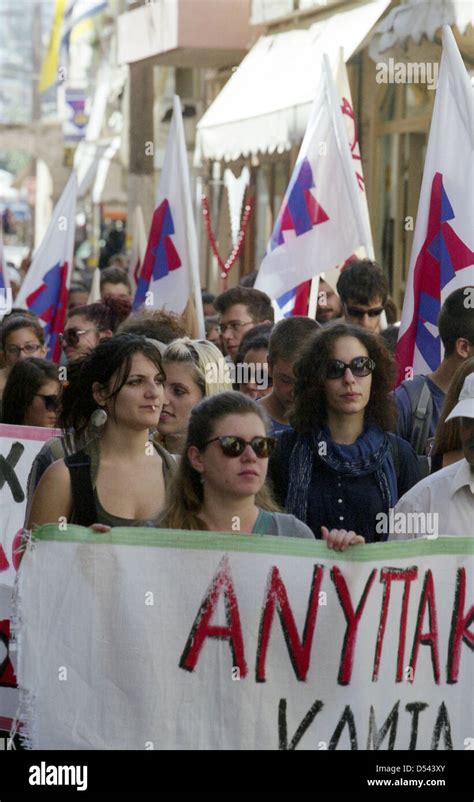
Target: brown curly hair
[{"x": 309, "y": 408}]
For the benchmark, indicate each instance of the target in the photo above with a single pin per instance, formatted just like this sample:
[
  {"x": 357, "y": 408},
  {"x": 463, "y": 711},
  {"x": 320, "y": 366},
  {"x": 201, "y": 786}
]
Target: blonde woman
[
  {"x": 194, "y": 370},
  {"x": 220, "y": 484}
]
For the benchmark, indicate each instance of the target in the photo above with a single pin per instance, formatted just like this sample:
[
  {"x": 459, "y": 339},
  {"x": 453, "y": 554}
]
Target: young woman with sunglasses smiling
[
  {"x": 341, "y": 465},
  {"x": 87, "y": 325},
  {"x": 220, "y": 485},
  {"x": 119, "y": 477},
  {"x": 31, "y": 394}
]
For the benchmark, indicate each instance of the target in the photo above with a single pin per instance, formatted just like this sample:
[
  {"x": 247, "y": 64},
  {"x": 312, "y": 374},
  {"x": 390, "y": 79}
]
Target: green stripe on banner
[{"x": 266, "y": 544}]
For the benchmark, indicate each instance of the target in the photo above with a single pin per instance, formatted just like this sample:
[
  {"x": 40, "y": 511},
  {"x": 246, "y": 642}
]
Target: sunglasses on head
[
  {"x": 51, "y": 402},
  {"x": 354, "y": 311},
  {"x": 360, "y": 366},
  {"x": 233, "y": 446},
  {"x": 71, "y": 336}
]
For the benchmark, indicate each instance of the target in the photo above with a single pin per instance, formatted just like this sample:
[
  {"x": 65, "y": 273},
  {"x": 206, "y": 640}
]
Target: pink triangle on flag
[
  {"x": 286, "y": 220},
  {"x": 317, "y": 213}
]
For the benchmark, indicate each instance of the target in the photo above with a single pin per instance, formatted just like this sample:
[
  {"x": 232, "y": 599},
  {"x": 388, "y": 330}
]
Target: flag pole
[
  {"x": 313, "y": 296},
  {"x": 190, "y": 221}
]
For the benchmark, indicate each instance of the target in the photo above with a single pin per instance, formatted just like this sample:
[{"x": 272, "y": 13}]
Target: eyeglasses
[
  {"x": 354, "y": 311},
  {"x": 29, "y": 349},
  {"x": 70, "y": 337},
  {"x": 234, "y": 325},
  {"x": 233, "y": 446},
  {"x": 51, "y": 402},
  {"x": 359, "y": 366}
]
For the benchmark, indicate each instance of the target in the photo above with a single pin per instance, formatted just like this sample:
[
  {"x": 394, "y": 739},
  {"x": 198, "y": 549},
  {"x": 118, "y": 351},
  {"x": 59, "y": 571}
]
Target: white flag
[
  {"x": 320, "y": 223},
  {"x": 170, "y": 273},
  {"x": 442, "y": 258},
  {"x": 45, "y": 287}
]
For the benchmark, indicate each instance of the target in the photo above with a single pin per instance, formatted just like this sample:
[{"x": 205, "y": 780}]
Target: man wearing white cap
[{"x": 448, "y": 493}]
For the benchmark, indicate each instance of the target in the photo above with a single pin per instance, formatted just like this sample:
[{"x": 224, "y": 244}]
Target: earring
[{"x": 99, "y": 418}]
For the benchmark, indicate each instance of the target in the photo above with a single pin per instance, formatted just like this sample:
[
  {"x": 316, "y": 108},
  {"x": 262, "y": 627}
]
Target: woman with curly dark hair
[{"x": 341, "y": 466}]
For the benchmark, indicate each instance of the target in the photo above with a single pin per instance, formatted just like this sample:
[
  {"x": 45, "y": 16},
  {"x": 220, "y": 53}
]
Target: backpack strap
[
  {"x": 84, "y": 506},
  {"x": 424, "y": 463},
  {"x": 395, "y": 452},
  {"x": 421, "y": 411}
]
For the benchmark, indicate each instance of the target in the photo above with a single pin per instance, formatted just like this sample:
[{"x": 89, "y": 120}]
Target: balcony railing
[{"x": 266, "y": 11}]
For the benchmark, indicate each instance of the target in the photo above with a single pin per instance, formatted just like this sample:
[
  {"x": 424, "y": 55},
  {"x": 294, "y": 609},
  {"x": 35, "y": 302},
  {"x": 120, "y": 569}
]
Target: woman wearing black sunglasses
[
  {"x": 220, "y": 485},
  {"x": 31, "y": 394},
  {"x": 342, "y": 466}
]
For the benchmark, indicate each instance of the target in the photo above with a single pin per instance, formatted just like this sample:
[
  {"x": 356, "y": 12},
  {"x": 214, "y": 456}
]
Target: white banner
[
  {"x": 18, "y": 448},
  {"x": 149, "y": 639}
]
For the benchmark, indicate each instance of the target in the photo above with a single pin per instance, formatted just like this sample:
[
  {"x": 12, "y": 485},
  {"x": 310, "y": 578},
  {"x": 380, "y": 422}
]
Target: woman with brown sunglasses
[{"x": 220, "y": 485}]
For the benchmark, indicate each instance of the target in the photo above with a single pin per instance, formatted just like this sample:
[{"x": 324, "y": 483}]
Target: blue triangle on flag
[
  {"x": 446, "y": 208},
  {"x": 428, "y": 309},
  {"x": 439, "y": 250},
  {"x": 428, "y": 345}
]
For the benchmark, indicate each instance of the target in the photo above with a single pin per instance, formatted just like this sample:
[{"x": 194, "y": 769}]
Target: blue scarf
[{"x": 369, "y": 454}]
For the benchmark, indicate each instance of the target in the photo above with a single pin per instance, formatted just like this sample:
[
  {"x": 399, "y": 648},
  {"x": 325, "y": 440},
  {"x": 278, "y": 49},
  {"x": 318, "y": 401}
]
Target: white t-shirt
[{"x": 450, "y": 494}]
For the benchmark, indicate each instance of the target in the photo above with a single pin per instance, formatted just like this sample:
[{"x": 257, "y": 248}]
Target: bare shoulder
[
  {"x": 57, "y": 473},
  {"x": 52, "y": 498}
]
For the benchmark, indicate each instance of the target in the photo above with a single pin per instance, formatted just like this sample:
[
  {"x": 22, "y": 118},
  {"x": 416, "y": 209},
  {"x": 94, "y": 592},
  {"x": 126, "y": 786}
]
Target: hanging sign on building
[{"x": 75, "y": 121}]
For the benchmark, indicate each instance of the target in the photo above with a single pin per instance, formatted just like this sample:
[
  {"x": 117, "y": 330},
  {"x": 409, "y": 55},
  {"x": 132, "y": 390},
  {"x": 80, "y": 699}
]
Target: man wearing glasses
[
  {"x": 363, "y": 289},
  {"x": 239, "y": 310}
]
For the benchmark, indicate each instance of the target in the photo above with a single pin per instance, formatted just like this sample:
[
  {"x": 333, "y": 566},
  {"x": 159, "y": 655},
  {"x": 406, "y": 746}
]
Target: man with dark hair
[
  {"x": 78, "y": 296},
  {"x": 363, "y": 289},
  {"x": 286, "y": 339},
  {"x": 420, "y": 399},
  {"x": 208, "y": 299},
  {"x": 329, "y": 304},
  {"x": 240, "y": 309},
  {"x": 115, "y": 283}
]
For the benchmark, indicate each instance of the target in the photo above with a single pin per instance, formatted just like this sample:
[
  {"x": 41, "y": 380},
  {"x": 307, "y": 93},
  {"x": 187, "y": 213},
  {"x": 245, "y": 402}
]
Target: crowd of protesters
[{"x": 290, "y": 428}]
